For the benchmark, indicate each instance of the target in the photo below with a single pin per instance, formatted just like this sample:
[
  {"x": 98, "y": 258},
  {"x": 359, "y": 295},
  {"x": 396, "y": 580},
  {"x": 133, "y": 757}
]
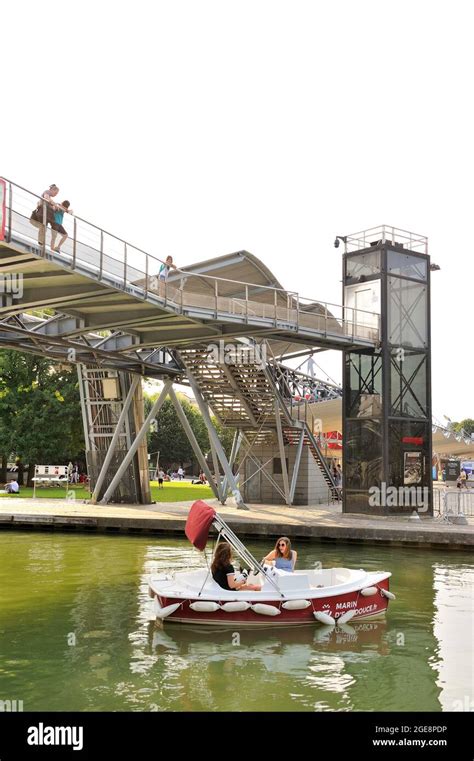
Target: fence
[{"x": 453, "y": 502}]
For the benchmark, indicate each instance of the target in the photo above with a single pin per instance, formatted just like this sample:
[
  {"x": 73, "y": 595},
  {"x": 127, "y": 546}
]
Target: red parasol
[{"x": 199, "y": 522}]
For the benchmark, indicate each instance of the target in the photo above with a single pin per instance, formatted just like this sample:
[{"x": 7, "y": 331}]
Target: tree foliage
[
  {"x": 40, "y": 413},
  {"x": 467, "y": 424},
  {"x": 169, "y": 439},
  {"x": 41, "y": 423}
]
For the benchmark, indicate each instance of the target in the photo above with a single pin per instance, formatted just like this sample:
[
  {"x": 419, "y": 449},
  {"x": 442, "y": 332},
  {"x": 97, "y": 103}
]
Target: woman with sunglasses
[{"x": 282, "y": 557}]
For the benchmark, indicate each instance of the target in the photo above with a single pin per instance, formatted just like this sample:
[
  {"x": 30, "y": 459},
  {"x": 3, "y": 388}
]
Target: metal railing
[
  {"x": 457, "y": 502},
  {"x": 385, "y": 234},
  {"x": 96, "y": 253}
]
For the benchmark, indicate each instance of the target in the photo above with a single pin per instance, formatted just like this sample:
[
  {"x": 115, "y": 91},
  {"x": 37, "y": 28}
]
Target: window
[
  {"x": 409, "y": 391},
  {"x": 363, "y": 265},
  {"x": 364, "y": 379},
  {"x": 363, "y": 454},
  {"x": 406, "y": 265},
  {"x": 407, "y": 313},
  {"x": 277, "y": 466}
]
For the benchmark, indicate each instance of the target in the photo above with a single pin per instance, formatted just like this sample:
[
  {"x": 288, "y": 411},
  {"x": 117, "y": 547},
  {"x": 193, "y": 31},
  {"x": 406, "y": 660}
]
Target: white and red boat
[{"x": 329, "y": 596}]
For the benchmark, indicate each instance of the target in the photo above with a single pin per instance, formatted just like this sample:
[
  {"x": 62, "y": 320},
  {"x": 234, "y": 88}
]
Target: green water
[{"x": 75, "y": 635}]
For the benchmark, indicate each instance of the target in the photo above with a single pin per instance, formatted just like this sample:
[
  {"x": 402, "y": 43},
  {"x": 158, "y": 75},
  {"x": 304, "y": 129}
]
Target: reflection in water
[
  {"x": 312, "y": 656},
  {"x": 76, "y": 635},
  {"x": 453, "y": 621}
]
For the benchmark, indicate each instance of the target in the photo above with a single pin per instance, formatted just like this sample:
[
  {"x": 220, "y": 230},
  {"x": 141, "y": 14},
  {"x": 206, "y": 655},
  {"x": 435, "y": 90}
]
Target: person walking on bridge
[
  {"x": 163, "y": 273},
  {"x": 57, "y": 225},
  {"x": 37, "y": 216}
]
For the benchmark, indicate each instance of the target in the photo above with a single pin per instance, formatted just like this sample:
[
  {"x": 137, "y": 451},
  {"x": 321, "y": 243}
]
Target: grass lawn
[
  {"x": 173, "y": 491},
  {"x": 179, "y": 491},
  {"x": 49, "y": 492}
]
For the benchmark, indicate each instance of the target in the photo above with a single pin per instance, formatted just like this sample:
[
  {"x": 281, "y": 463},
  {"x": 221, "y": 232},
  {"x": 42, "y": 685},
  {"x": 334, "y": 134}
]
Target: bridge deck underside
[{"x": 140, "y": 318}]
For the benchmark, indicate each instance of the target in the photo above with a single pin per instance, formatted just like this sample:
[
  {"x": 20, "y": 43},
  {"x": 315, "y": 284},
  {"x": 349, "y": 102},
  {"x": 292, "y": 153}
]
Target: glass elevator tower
[{"x": 387, "y": 391}]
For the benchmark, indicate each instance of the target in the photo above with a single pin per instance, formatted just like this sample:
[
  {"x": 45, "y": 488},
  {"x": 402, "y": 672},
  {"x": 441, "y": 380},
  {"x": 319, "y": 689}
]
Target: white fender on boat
[
  {"x": 324, "y": 618},
  {"x": 266, "y": 610},
  {"x": 346, "y": 617},
  {"x": 388, "y": 594},
  {"x": 205, "y": 606},
  {"x": 235, "y": 607},
  {"x": 296, "y": 604},
  {"x": 369, "y": 591},
  {"x": 165, "y": 612}
]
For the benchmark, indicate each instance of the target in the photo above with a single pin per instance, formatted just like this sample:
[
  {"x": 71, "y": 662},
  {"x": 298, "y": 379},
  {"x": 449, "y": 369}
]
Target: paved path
[{"x": 318, "y": 522}]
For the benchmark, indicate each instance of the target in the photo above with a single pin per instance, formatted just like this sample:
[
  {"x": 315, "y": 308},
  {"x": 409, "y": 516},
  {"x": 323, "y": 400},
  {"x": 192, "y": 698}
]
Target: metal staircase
[
  {"x": 249, "y": 396},
  {"x": 292, "y": 436}
]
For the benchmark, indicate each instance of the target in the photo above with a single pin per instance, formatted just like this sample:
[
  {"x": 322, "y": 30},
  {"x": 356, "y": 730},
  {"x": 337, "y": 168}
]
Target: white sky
[{"x": 198, "y": 128}]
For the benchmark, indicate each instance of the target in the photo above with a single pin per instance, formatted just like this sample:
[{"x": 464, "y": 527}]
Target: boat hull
[{"x": 334, "y": 605}]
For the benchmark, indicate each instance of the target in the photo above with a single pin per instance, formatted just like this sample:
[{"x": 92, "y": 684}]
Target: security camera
[{"x": 337, "y": 242}]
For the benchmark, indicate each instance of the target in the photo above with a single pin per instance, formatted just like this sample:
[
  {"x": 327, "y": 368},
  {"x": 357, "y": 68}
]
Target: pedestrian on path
[{"x": 161, "y": 477}]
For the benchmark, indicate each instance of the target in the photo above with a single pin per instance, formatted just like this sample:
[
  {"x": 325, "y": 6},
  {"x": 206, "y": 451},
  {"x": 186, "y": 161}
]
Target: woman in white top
[{"x": 163, "y": 273}]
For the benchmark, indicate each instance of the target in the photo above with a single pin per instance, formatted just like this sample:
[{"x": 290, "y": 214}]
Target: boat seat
[{"x": 292, "y": 582}]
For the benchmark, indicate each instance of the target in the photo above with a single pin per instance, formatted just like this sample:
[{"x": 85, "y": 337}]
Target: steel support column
[
  {"x": 138, "y": 438},
  {"x": 281, "y": 444},
  {"x": 217, "y": 474},
  {"x": 215, "y": 439},
  {"x": 81, "y": 378},
  {"x": 233, "y": 454},
  {"x": 142, "y": 467},
  {"x": 296, "y": 467},
  {"x": 193, "y": 441},
  {"x": 117, "y": 433}
]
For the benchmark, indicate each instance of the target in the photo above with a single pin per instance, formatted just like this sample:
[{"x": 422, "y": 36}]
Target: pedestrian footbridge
[{"x": 99, "y": 283}]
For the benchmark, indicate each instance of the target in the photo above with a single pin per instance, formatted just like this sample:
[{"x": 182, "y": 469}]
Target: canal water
[{"x": 75, "y": 635}]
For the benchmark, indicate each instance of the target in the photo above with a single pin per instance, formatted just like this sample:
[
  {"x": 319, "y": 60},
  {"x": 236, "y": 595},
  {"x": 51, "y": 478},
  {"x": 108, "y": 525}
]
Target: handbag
[{"x": 37, "y": 214}]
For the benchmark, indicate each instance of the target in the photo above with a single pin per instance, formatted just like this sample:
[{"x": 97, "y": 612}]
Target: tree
[
  {"x": 40, "y": 413},
  {"x": 169, "y": 437},
  {"x": 467, "y": 424}
]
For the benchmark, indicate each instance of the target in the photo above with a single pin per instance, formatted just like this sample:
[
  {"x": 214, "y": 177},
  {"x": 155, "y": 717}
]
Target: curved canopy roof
[
  {"x": 238, "y": 268},
  {"x": 242, "y": 268}
]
